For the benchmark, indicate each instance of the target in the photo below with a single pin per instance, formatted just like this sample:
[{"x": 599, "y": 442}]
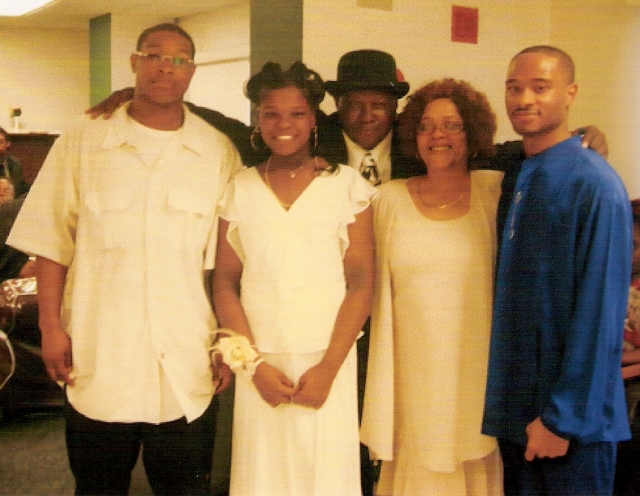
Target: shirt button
[
  {"x": 518, "y": 196},
  {"x": 511, "y": 234}
]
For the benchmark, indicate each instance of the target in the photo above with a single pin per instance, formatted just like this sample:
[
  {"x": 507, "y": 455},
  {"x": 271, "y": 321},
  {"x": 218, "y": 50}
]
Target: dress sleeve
[
  {"x": 360, "y": 193},
  {"x": 228, "y": 210},
  {"x": 377, "y": 425}
]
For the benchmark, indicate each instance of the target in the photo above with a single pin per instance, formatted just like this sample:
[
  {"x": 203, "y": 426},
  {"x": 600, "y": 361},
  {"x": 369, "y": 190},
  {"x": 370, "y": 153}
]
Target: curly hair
[
  {"x": 473, "y": 106},
  {"x": 272, "y": 77}
]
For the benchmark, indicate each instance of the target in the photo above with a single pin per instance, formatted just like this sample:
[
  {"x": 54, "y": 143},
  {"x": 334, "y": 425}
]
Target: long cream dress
[
  {"x": 292, "y": 287},
  {"x": 429, "y": 346}
]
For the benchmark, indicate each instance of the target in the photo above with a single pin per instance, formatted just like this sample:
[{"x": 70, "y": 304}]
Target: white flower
[{"x": 237, "y": 352}]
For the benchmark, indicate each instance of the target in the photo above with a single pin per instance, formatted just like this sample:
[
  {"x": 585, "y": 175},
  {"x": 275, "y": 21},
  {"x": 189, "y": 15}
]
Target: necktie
[{"x": 369, "y": 170}]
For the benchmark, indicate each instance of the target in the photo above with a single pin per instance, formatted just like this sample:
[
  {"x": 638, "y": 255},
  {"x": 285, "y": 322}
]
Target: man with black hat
[{"x": 360, "y": 133}]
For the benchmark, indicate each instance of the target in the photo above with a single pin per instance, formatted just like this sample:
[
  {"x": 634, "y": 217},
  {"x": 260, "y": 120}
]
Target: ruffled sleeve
[
  {"x": 377, "y": 425},
  {"x": 228, "y": 210},
  {"x": 359, "y": 194}
]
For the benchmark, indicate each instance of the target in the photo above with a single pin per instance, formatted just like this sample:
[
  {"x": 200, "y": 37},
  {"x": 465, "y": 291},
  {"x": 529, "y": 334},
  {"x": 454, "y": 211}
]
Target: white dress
[
  {"x": 292, "y": 287},
  {"x": 430, "y": 335}
]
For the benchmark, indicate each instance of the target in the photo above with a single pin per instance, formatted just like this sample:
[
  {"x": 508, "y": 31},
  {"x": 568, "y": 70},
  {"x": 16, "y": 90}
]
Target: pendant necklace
[{"x": 292, "y": 174}]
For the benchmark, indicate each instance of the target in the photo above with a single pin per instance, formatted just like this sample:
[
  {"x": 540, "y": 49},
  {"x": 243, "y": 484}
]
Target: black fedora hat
[{"x": 367, "y": 70}]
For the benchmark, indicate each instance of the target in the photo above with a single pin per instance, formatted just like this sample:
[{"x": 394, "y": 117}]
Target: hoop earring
[
  {"x": 255, "y": 133},
  {"x": 315, "y": 139}
]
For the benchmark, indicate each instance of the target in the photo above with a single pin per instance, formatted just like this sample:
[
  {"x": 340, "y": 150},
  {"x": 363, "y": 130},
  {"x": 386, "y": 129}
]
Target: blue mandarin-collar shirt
[{"x": 561, "y": 295}]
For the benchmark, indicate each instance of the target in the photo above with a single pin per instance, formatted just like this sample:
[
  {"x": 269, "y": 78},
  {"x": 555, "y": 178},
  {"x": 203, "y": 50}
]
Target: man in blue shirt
[{"x": 555, "y": 397}]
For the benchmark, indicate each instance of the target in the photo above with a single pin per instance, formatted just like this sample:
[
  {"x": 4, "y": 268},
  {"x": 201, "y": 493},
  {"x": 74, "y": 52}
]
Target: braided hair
[{"x": 272, "y": 77}]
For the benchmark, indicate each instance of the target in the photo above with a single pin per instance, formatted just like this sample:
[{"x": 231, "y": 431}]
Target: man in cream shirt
[{"x": 122, "y": 219}]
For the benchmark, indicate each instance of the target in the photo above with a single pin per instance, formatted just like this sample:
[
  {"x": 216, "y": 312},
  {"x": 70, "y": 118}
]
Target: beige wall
[
  {"x": 222, "y": 58},
  {"x": 46, "y": 74},
  {"x": 602, "y": 36}
]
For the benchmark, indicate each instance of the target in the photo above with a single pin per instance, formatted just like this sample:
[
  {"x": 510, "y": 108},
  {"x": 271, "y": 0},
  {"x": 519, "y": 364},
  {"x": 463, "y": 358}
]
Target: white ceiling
[{"x": 75, "y": 14}]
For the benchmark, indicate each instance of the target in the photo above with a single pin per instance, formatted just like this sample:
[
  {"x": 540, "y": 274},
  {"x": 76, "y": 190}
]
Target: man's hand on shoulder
[
  {"x": 112, "y": 103},
  {"x": 593, "y": 138}
]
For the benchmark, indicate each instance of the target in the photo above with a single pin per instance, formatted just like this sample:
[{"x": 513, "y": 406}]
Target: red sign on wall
[{"x": 464, "y": 24}]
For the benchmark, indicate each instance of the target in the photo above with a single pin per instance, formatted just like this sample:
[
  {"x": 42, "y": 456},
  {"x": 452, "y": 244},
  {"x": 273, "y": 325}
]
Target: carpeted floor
[{"x": 33, "y": 457}]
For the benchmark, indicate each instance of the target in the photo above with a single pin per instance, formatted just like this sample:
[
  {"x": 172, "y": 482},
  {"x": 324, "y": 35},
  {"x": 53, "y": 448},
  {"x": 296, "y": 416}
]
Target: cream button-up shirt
[{"x": 136, "y": 237}]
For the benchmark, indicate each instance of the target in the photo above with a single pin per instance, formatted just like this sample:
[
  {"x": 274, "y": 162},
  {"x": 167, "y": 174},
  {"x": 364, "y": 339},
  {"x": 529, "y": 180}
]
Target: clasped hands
[
  {"x": 312, "y": 389},
  {"x": 543, "y": 443}
]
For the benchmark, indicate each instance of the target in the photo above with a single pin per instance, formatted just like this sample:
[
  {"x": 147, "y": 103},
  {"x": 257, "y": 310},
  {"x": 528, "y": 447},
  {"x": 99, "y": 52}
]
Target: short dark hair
[
  {"x": 272, "y": 77},
  {"x": 4, "y": 133},
  {"x": 167, "y": 26},
  {"x": 473, "y": 106},
  {"x": 563, "y": 57}
]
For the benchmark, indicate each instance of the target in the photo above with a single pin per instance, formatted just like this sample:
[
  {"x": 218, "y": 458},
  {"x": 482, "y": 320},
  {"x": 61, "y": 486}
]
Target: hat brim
[{"x": 339, "y": 88}]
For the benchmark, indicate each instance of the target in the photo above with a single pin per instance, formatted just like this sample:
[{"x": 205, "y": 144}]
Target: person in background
[
  {"x": 294, "y": 278},
  {"x": 13, "y": 263},
  {"x": 7, "y": 190},
  {"x": 10, "y": 167},
  {"x": 431, "y": 321},
  {"x": 122, "y": 219},
  {"x": 631, "y": 345},
  {"x": 555, "y": 396}
]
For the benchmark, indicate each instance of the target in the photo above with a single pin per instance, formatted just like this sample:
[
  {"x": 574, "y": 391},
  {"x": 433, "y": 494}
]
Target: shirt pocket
[
  {"x": 111, "y": 217},
  {"x": 190, "y": 202},
  {"x": 191, "y": 218}
]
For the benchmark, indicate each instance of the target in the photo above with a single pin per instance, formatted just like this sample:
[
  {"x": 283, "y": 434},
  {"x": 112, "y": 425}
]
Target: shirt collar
[
  {"x": 381, "y": 153},
  {"x": 120, "y": 131}
]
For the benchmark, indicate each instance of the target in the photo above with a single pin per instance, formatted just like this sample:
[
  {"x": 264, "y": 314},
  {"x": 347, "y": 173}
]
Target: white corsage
[{"x": 236, "y": 352}]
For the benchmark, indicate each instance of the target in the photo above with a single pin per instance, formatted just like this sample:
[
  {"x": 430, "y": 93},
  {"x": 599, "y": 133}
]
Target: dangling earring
[{"x": 255, "y": 133}]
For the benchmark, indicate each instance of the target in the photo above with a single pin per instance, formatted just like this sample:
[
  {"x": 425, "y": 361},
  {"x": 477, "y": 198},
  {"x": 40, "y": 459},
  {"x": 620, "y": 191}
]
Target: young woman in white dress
[
  {"x": 431, "y": 321},
  {"x": 294, "y": 275}
]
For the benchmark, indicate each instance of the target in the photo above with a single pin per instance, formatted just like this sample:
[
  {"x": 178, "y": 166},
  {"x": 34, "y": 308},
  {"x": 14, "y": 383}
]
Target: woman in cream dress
[
  {"x": 431, "y": 321},
  {"x": 294, "y": 275}
]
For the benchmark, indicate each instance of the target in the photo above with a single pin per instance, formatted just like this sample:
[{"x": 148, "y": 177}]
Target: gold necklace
[
  {"x": 292, "y": 174},
  {"x": 440, "y": 207}
]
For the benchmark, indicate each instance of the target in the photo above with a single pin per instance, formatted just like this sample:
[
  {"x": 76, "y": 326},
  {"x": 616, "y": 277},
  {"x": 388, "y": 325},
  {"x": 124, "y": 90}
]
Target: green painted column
[
  {"x": 99, "y": 58},
  {"x": 276, "y": 32}
]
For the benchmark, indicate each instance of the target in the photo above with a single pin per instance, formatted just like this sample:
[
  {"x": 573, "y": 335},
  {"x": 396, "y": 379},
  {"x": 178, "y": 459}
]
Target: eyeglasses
[
  {"x": 157, "y": 58},
  {"x": 448, "y": 127}
]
